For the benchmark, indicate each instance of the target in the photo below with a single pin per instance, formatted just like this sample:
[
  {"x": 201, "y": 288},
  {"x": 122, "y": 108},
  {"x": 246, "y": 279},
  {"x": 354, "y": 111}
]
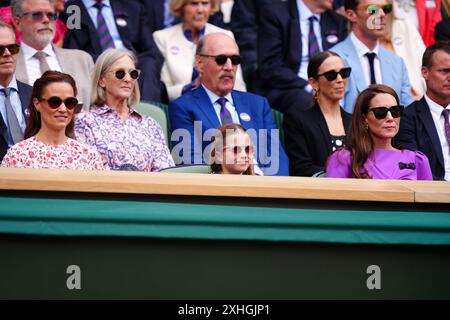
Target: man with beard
[
  {"x": 196, "y": 114},
  {"x": 36, "y": 19}
]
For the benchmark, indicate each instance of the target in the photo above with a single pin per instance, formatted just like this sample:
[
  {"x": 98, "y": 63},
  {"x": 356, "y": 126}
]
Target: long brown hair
[
  {"x": 34, "y": 120},
  {"x": 219, "y": 141},
  {"x": 361, "y": 143}
]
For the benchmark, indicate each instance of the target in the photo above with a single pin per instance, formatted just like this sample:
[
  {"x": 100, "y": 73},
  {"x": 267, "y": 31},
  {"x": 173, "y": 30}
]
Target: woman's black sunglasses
[
  {"x": 55, "y": 102},
  {"x": 332, "y": 75},
  {"x": 381, "y": 112},
  {"x": 221, "y": 59},
  {"x": 134, "y": 74}
]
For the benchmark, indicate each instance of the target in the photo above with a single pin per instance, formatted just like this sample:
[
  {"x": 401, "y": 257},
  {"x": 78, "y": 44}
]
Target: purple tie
[
  {"x": 225, "y": 115},
  {"x": 447, "y": 126},
  {"x": 106, "y": 40},
  {"x": 313, "y": 44}
]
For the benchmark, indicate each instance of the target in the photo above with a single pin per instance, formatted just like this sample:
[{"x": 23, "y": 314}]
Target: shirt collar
[
  {"x": 103, "y": 109},
  {"x": 435, "y": 108},
  {"x": 213, "y": 97},
  {"x": 29, "y": 52},
  {"x": 90, "y": 3},
  {"x": 12, "y": 84},
  {"x": 361, "y": 48},
  {"x": 188, "y": 34},
  {"x": 304, "y": 11}
]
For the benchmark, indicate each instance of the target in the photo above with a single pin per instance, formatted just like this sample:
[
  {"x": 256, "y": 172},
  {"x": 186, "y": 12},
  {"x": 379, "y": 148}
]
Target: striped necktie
[
  {"x": 445, "y": 112},
  {"x": 313, "y": 44},
  {"x": 106, "y": 41},
  {"x": 225, "y": 115}
]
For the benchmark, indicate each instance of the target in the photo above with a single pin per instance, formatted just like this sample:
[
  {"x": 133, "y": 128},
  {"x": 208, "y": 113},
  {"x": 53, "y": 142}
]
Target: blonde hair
[
  {"x": 177, "y": 7},
  {"x": 103, "y": 63}
]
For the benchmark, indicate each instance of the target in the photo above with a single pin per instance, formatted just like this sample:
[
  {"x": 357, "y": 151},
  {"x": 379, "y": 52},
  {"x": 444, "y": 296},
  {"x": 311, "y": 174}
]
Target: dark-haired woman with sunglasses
[
  {"x": 370, "y": 152},
  {"x": 313, "y": 134},
  {"x": 178, "y": 45},
  {"x": 121, "y": 134},
  {"x": 232, "y": 151},
  {"x": 48, "y": 136}
]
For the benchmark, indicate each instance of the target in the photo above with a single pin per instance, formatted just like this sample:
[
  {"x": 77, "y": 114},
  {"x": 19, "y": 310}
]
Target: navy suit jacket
[
  {"x": 418, "y": 132},
  {"x": 280, "y": 43},
  {"x": 196, "y": 106},
  {"x": 136, "y": 36},
  {"x": 25, "y": 95}
]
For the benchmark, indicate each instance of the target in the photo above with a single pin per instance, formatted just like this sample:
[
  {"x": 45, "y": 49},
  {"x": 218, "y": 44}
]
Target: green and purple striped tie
[
  {"x": 106, "y": 41},
  {"x": 313, "y": 44}
]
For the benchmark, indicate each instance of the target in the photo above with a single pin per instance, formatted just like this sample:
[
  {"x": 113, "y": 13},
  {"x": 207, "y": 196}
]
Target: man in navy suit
[
  {"x": 425, "y": 124},
  {"x": 129, "y": 28},
  {"x": 19, "y": 93},
  {"x": 197, "y": 114},
  {"x": 289, "y": 33},
  {"x": 361, "y": 50}
]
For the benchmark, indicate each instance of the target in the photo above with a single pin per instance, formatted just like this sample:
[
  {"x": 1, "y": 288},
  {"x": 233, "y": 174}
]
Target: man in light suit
[
  {"x": 361, "y": 50},
  {"x": 195, "y": 115},
  {"x": 19, "y": 93},
  {"x": 35, "y": 19},
  {"x": 425, "y": 124}
]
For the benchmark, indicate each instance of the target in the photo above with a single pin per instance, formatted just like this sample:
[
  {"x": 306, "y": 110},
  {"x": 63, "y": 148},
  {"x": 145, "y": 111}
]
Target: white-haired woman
[
  {"x": 179, "y": 42},
  {"x": 122, "y": 135}
]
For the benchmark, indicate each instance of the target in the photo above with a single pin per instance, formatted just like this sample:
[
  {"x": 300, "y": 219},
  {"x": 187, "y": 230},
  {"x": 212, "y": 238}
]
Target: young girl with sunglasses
[
  {"x": 313, "y": 134},
  {"x": 49, "y": 135},
  {"x": 232, "y": 151},
  {"x": 370, "y": 152}
]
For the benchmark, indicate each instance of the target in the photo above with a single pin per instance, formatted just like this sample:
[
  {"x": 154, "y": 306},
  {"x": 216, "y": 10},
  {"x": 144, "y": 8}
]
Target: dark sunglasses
[
  {"x": 55, "y": 102},
  {"x": 332, "y": 75},
  {"x": 12, "y": 48},
  {"x": 134, "y": 74},
  {"x": 373, "y": 8},
  {"x": 221, "y": 59},
  {"x": 381, "y": 112},
  {"x": 238, "y": 149},
  {"x": 38, "y": 16}
]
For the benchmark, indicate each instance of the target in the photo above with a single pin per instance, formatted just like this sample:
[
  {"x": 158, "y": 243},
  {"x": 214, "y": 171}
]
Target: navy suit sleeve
[
  {"x": 406, "y": 136},
  {"x": 186, "y": 138},
  {"x": 272, "y": 51},
  {"x": 282, "y": 165}
]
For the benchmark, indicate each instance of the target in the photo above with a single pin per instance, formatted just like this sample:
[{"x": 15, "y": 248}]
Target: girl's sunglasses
[
  {"x": 332, "y": 75},
  {"x": 381, "y": 112},
  {"x": 55, "y": 102},
  {"x": 238, "y": 149},
  {"x": 134, "y": 74}
]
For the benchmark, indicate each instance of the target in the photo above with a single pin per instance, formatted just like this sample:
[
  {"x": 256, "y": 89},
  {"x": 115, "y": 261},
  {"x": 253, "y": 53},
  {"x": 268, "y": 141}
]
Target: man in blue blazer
[
  {"x": 423, "y": 124},
  {"x": 195, "y": 116},
  {"x": 284, "y": 50},
  {"x": 132, "y": 31},
  {"x": 370, "y": 62}
]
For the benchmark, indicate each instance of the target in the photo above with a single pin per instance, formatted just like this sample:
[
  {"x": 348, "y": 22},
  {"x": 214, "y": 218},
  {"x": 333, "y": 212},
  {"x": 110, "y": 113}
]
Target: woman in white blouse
[{"x": 178, "y": 44}]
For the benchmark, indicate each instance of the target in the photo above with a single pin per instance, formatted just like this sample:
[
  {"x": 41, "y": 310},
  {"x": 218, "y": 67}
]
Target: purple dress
[{"x": 386, "y": 164}]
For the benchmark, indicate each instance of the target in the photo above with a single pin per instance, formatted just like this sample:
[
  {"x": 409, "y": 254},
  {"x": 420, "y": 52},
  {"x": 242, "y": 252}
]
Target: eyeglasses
[
  {"x": 134, "y": 74},
  {"x": 38, "y": 16},
  {"x": 238, "y": 149},
  {"x": 381, "y": 112},
  {"x": 332, "y": 75},
  {"x": 55, "y": 102},
  {"x": 373, "y": 8},
  {"x": 221, "y": 59},
  {"x": 12, "y": 48}
]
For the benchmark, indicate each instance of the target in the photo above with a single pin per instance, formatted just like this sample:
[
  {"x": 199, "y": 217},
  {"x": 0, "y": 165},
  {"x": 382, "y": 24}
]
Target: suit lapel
[
  {"x": 204, "y": 105},
  {"x": 87, "y": 21},
  {"x": 320, "y": 119},
  {"x": 294, "y": 32},
  {"x": 386, "y": 67},
  {"x": 351, "y": 56},
  {"x": 21, "y": 70},
  {"x": 118, "y": 8},
  {"x": 242, "y": 106},
  {"x": 330, "y": 36},
  {"x": 424, "y": 114}
]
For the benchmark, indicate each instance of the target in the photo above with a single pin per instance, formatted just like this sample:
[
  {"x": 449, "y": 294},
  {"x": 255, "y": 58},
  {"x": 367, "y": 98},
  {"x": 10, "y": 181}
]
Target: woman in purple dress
[{"x": 370, "y": 152}]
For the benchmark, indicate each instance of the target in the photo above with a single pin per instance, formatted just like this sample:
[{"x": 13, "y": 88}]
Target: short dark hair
[
  {"x": 351, "y": 4},
  {"x": 430, "y": 51},
  {"x": 34, "y": 121}
]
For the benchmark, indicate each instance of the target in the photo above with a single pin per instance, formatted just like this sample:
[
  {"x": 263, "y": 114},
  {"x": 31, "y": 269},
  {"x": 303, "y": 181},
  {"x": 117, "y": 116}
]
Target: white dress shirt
[
  {"x": 15, "y": 103},
  {"x": 439, "y": 123},
  {"x": 361, "y": 50},
  {"x": 304, "y": 14},
  {"x": 32, "y": 63},
  {"x": 108, "y": 14}
]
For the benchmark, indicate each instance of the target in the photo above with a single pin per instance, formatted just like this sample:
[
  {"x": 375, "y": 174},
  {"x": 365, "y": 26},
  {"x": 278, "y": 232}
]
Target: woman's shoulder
[
  {"x": 210, "y": 28},
  {"x": 167, "y": 32}
]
